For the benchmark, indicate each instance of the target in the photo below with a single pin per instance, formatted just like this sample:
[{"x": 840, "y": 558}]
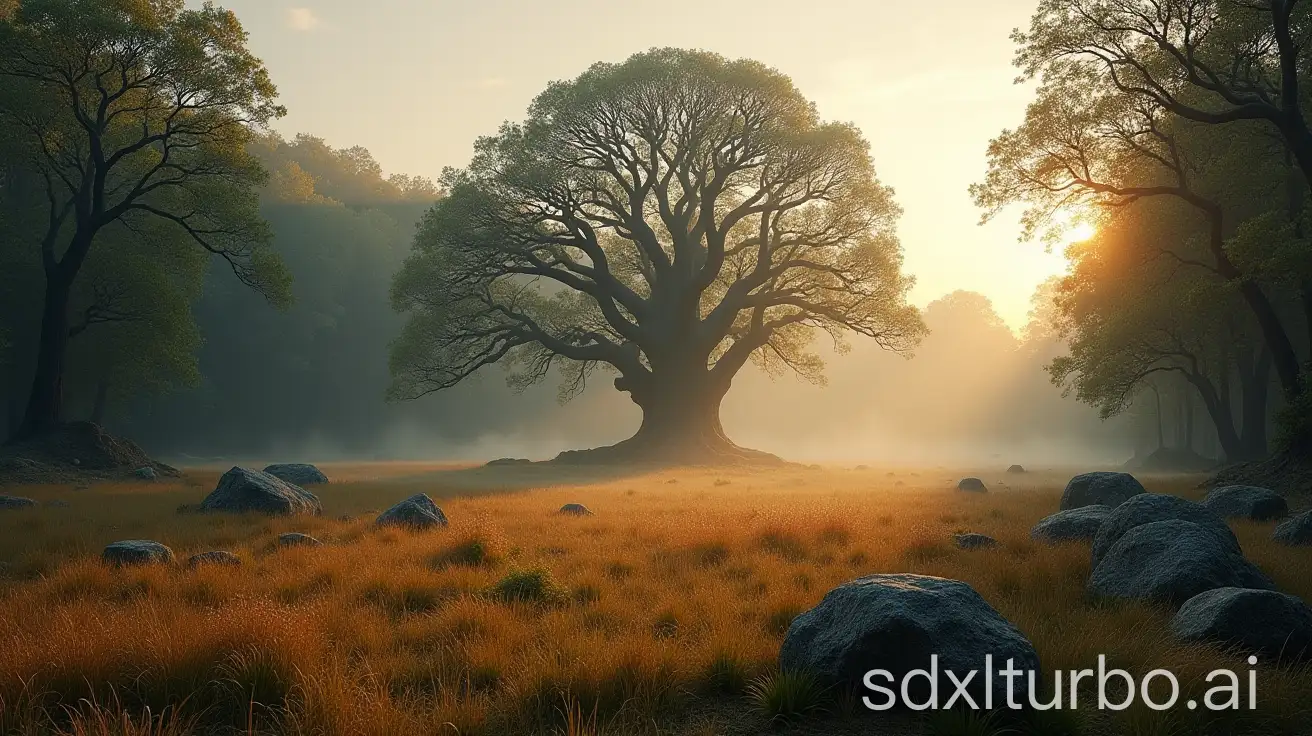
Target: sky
[{"x": 929, "y": 83}]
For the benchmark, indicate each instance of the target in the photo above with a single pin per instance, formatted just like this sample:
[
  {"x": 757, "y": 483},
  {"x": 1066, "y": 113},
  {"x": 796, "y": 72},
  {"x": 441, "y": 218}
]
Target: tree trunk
[
  {"x": 1219, "y": 410},
  {"x": 102, "y": 399},
  {"x": 1161, "y": 431},
  {"x": 1255, "y": 388},
  {"x": 45, "y": 402}
]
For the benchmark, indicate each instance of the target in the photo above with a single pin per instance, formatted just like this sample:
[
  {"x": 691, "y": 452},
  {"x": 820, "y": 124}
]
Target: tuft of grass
[
  {"x": 476, "y": 550},
  {"x": 787, "y": 695},
  {"x": 535, "y": 585},
  {"x": 965, "y": 722},
  {"x": 784, "y": 544},
  {"x": 779, "y": 619}
]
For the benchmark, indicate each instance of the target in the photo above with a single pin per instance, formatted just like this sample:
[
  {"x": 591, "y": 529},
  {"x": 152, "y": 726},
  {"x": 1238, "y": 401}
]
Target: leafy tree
[
  {"x": 668, "y": 218},
  {"x": 133, "y": 113}
]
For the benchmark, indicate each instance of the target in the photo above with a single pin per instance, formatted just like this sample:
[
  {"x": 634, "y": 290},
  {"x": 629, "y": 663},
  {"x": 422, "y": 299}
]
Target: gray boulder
[
  {"x": 1073, "y": 525},
  {"x": 895, "y": 623},
  {"x": 417, "y": 512},
  {"x": 296, "y": 539},
  {"x": 1149, "y": 507},
  {"x": 217, "y": 557},
  {"x": 1171, "y": 561},
  {"x": 136, "y": 552},
  {"x": 1296, "y": 531},
  {"x": 974, "y": 541},
  {"x": 1247, "y": 502},
  {"x": 575, "y": 509},
  {"x": 241, "y": 490},
  {"x": 1275, "y": 625},
  {"x": 1101, "y": 488},
  {"x": 146, "y": 472},
  {"x": 973, "y": 485},
  {"x": 301, "y": 474},
  {"x": 1016, "y": 469},
  {"x": 16, "y": 502}
]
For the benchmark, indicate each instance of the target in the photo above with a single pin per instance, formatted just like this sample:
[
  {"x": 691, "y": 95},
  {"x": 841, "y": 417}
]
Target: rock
[
  {"x": 1101, "y": 489},
  {"x": 974, "y": 485},
  {"x": 301, "y": 474},
  {"x": 16, "y": 502},
  {"x": 1016, "y": 469},
  {"x": 416, "y": 512},
  {"x": 146, "y": 472},
  {"x": 895, "y": 623},
  {"x": 136, "y": 552},
  {"x": 217, "y": 557},
  {"x": 1297, "y": 531},
  {"x": 242, "y": 490},
  {"x": 296, "y": 539},
  {"x": 1149, "y": 507},
  {"x": 974, "y": 541},
  {"x": 575, "y": 509},
  {"x": 501, "y": 461},
  {"x": 1275, "y": 625},
  {"x": 1247, "y": 502},
  {"x": 1072, "y": 525},
  {"x": 1171, "y": 561}
]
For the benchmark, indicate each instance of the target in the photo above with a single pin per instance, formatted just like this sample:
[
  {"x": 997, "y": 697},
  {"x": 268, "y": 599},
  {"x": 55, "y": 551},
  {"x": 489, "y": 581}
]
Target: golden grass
[{"x": 654, "y": 616}]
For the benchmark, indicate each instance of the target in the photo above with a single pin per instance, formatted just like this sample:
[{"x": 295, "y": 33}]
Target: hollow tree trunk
[{"x": 45, "y": 402}]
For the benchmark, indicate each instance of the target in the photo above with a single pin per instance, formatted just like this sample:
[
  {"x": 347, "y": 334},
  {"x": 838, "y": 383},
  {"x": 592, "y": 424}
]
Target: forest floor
[{"x": 661, "y": 614}]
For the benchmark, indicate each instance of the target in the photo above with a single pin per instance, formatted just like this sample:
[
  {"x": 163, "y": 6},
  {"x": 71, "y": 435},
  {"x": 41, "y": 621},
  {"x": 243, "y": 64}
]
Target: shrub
[{"x": 473, "y": 551}]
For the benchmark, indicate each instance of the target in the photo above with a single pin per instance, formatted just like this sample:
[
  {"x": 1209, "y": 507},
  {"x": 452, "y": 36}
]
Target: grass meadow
[{"x": 661, "y": 614}]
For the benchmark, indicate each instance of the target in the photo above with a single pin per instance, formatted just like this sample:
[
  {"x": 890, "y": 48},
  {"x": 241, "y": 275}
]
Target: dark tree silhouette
[{"x": 668, "y": 218}]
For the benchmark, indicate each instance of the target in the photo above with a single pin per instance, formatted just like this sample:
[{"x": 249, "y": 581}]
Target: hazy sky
[{"x": 416, "y": 81}]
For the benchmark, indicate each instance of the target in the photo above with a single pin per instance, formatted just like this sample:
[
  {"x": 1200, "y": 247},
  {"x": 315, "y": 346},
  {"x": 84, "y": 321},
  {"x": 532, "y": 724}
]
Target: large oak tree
[
  {"x": 669, "y": 218},
  {"x": 134, "y": 114}
]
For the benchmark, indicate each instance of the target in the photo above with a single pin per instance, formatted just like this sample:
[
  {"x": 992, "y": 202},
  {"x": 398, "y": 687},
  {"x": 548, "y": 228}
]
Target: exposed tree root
[{"x": 644, "y": 450}]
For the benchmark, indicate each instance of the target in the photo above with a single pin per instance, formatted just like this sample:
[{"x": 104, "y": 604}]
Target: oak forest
[{"x": 652, "y": 370}]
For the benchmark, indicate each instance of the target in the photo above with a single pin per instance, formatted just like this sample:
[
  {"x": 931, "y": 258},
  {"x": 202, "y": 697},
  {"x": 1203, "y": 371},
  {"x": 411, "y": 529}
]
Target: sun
[{"x": 1079, "y": 232}]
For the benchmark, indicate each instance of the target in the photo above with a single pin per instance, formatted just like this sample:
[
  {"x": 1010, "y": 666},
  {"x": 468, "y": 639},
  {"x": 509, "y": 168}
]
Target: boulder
[
  {"x": 974, "y": 485},
  {"x": 974, "y": 541},
  {"x": 416, "y": 512},
  {"x": 1100, "y": 489},
  {"x": 136, "y": 552},
  {"x": 1171, "y": 561},
  {"x": 895, "y": 623},
  {"x": 1149, "y": 507},
  {"x": 1247, "y": 502},
  {"x": 504, "y": 461},
  {"x": 217, "y": 557},
  {"x": 1073, "y": 525},
  {"x": 1274, "y": 625},
  {"x": 146, "y": 472},
  {"x": 1296, "y": 531},
  {"x": 16, "y": 502},
  {"x": 1016, "y": 469},
  {"x": 301, "y": 474},
  {"x": 296, "y": 539},
  {"x": 575, "y": 509},
  {"x": 242, "y": 490}
]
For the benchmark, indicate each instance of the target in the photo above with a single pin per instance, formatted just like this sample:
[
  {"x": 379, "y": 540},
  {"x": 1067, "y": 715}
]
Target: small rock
[
  {"x": 1171, "y": 561},
  {"x": 416, "y": 512},
  {"x": 1016, "y": 469},
  {"x": 16, "y": 502},
  {"x": 895, "y": 623},
  {"x": 146, "y": 472},
  {"x": 1072, "y": 525},
  {"x": 1101, "y": 489},
  {"x": 301, "y": 474},
  {"x": 974, "y": 485},
  {"x": 1247, "y": 502},
  {"x": 502, "y": 461},
  {"x": 136, "y": 552},
  {"x": 974, "y": 541},
  {"x": 1146, "y": 508},
  {"x": 217, "y": 557},
  {"x": 296, "y": 539},
  {"x": 1297, "y": 531},
  {"x": 1276, "y": 625},
  {"x": 575, "y": 509},
  {"x": 242, "y": 490}
]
